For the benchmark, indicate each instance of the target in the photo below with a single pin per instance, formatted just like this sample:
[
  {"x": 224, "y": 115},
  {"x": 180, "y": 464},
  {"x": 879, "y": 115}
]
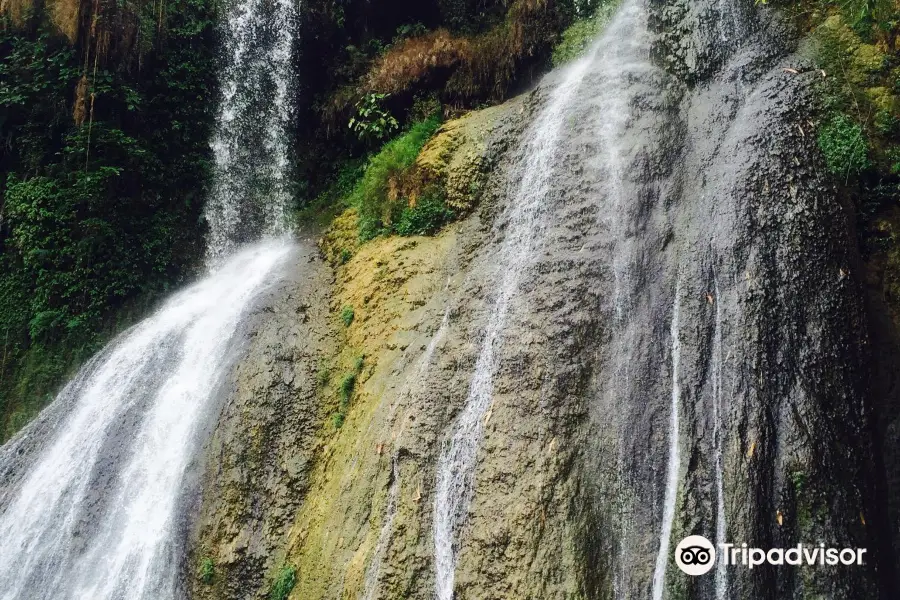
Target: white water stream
[
  {"x": 665, "y": 536},
  {"x": 721, "y": 568},
  {"x": 96, "y": 517},
  {"x": 524, "y": 226},
  {"x": 251, "y": 143}
]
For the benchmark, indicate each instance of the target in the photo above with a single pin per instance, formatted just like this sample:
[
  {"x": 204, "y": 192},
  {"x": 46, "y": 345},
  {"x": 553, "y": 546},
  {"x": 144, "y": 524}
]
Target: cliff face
[
  {"x": 258, "y": 460},
  {"x": 683, "y": 350}
]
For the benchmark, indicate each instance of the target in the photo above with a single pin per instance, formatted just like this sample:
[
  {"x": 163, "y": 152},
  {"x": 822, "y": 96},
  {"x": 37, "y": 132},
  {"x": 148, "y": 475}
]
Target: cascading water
[
  {"x": 524, "y": 226},
  {"x": 92, "y": 495},
  {"x": 96, "y": 515},
  {"x": 374, "y": 570},
  {"x": 251, "y": 143},
  {"x": 674, "y": 463}
]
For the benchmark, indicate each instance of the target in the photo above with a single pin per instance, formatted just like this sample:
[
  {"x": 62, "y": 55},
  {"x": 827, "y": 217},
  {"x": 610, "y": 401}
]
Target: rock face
[
  {"x": 258, "y": 460},
  {"x": 685, "y": 352}
]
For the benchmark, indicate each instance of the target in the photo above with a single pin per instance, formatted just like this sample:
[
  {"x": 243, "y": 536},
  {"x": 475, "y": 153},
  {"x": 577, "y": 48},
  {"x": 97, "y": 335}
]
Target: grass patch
[
  {"x": 844, "y": 146},
  {"x": 345, "y": 392},
  {"x": 377, "y": 195},
  {"x": 284, "y": 583},
  {"x": 347, "y": 315},
  {"x": 427, "y": 217},
  {"x": 322, "y": 209}
]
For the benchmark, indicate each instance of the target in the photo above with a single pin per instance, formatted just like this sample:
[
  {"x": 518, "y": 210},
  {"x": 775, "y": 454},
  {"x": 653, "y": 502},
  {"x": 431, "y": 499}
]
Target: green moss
[
  {"x": 284, "y": 583},
  {"x": 345, "y": 392},
  {"x": 323, "y": 376},
  {"x": 844, "y": 146},
  {"x": 346, "y": 388},
  {"x": 376, "y": 196}
]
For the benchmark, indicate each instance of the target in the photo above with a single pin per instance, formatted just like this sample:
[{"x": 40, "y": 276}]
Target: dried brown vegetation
[{"x": 464, "y": 69}]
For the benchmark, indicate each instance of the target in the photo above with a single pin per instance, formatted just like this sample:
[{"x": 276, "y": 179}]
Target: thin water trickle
[
  {"x": 665, "y": 536},
  {"x": 455, "y": 472},
  {"x": 721, "y": 570},
  {"x": 524, "y": 225},
  {"x": 390, "y": 511}
]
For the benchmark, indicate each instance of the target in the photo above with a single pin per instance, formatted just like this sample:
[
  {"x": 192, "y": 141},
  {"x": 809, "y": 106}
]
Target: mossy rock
[
  {"x": 458, "y": 156},
  {"x": 869, "y": 59},
  {"x": 882, "y": 99},
  {"x": 341, "y": 240},
  {"x": 839, "y": 42}
]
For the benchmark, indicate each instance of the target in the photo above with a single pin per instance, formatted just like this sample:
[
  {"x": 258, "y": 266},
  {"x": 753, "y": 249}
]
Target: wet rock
[{"x": 258, "y": 460}]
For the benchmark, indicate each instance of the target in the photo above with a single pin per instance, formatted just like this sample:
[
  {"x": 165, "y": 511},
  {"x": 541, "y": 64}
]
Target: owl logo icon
[{"x": 695, "y": 555}]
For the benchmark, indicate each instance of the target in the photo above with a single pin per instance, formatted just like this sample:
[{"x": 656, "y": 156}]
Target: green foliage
[
  {"x": 844, "y": 146},
  {"x": 100, "y": 216},
  {"x": 373, "y": 123},
  {"x": 577, "y": 38},
  {"x": 885, "y": 122},
  {"x": 347, "y": 315},
  {"x": 284, "y": 582},
  {"x": 206, "y": 572},
  {"x": 427, "y": 217},
  {"x": 337, "y": 419},
  {"x": 372, "y": 196}
]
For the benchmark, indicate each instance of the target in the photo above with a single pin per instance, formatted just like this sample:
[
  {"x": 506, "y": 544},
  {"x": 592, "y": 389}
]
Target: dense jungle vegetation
[{"x": 106, "y": 110}]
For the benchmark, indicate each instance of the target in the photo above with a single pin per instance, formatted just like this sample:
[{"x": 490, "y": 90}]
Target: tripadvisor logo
[{"x": 696, "y": 555}]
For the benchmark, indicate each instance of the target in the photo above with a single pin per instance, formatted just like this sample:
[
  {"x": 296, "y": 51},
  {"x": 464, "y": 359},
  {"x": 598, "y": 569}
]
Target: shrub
[
  {"x": 348, "y": 383},
  {"x": 373, "y": 123},
  {"x": 844, "y": 146},
  {"x": 416, "y": 59},
  {"x": 337, "y": 419},
  {"x": 377, "y": 195},
  {"x": 284, "y": 583},
  {"x": 347, "y": 315},
  {"x": 323, "y": 376},
  {"x": 425, "y": 218}
]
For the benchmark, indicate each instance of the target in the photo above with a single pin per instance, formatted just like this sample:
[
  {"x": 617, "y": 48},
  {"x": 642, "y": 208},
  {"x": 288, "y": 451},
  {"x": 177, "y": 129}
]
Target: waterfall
[
  {"x": 721, "y": 570},
  {"x": 457, "y": 458},
  {"x": 525, "y": 219},
  {"x": 732, "y": 21},
  {"x": 665, "y": 535},
  {"x": 621, "y": 64},
  {"x": 93, "y": 494},
  {"x": 251, "y": 143},
  {"x": 96, "y": 515}
]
